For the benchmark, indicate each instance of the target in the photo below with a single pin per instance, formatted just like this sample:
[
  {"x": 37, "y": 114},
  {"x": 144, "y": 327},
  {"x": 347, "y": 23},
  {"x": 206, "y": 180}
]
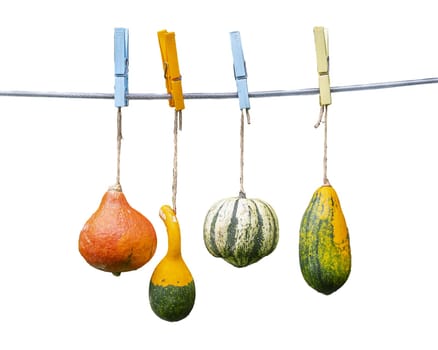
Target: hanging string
[
  {"x": 177, "y": 125},
  {"x": 242, "y": 131},
  {"x": 323, "y": 119},
  {"x": 242, "y": 193},
  {"x": 117, "y": 185},
  {"x": 119, "y": 142}
]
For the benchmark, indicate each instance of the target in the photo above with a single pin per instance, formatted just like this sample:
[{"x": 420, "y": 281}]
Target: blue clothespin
[
  {"x": 240, "y": 71},
  {"x": 121, "y": 61}
]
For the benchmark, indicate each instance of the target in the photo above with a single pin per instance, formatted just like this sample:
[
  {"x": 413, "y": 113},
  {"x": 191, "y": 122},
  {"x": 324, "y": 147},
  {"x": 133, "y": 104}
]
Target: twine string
[
  {"x": 323, "y": 119},
  {"x": 242, "y": 134},
  {"x": 119, "y": 144},
  {"x": 177, "y": 125},
  {"x": 242, "y": 193}
]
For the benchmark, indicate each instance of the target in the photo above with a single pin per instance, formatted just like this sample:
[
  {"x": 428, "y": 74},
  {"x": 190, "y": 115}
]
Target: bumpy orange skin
[{"x": 117, "y": 238}]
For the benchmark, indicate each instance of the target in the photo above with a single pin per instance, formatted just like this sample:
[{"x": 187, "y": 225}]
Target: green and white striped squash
[
  {"x": 241, "y": 230},
  {"x": 324, "y": 244}
]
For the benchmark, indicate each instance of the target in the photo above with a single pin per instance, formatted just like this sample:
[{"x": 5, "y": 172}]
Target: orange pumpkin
[{"x": 117, "y": 238}]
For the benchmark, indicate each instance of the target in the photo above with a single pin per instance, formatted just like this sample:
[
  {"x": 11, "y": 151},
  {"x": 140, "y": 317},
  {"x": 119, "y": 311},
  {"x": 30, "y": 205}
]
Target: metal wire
[{"x": 222, "y": 95}]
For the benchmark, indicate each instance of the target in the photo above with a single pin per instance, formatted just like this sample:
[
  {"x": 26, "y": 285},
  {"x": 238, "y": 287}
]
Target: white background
[{"x": 58, "y": 157}]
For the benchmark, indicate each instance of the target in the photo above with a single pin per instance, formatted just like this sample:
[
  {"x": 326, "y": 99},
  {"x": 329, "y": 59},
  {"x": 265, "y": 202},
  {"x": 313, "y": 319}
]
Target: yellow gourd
[
  {"x": 171, "y": 288},
  {"x": 324, "y": 245}
]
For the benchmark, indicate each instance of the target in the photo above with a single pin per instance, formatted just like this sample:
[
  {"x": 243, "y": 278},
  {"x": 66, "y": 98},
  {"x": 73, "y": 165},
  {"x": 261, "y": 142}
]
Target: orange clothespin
[
  {"x": 322, "y": 59},
  {"x": 171, "y": 69}
]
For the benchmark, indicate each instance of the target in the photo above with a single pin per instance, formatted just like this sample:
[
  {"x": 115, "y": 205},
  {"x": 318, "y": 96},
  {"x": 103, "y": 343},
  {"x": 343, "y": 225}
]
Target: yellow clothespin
[
  {"x": 171, "y": 69},
  {"x": 322, "y": 60}
]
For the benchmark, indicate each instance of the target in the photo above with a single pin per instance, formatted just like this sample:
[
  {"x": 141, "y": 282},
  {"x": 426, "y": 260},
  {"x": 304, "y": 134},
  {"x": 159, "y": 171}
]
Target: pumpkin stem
[
  {"x": 116, "y": 187},
  {"x": 242, "y": 194}
]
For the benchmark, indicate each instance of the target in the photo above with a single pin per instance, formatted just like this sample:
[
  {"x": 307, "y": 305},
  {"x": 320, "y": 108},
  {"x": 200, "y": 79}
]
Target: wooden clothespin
[
  {"x": 121, "y": 62},
  {"x": 240, "y": 73},
  {"x": 322, "y": 59},
  {"x": 171, "y": 69}
]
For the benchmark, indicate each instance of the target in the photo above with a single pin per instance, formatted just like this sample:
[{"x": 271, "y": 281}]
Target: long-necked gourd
[{"x": 172, "y": 288}]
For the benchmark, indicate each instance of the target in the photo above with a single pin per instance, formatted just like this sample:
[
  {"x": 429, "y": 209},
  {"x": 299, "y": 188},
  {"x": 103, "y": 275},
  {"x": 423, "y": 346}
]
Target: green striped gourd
[
  {"x": 172, "y": 288},
  {"x": 241, "y": 230},
  {"x": 324, "y": 244}
]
